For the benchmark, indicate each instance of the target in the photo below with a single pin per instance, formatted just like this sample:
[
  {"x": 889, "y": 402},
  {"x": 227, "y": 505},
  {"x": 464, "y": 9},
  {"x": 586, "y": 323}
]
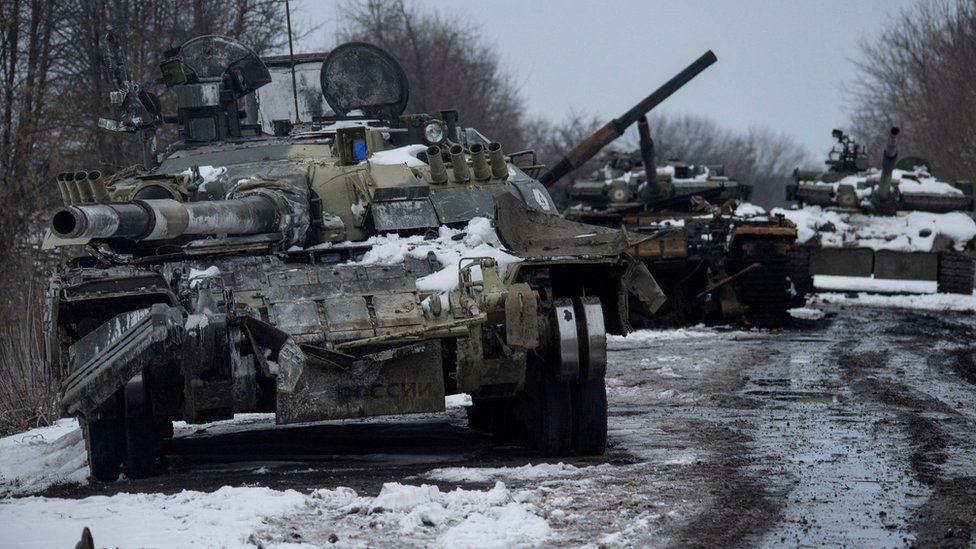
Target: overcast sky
[{"x": 782, "y": 64}]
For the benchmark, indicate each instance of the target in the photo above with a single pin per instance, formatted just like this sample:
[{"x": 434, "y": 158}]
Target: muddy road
[{"x": 855, "y": 429}]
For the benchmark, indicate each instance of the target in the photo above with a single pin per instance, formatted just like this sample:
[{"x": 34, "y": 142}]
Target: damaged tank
[
  {"x": 898, "y": 222},
  {"x": 359, "y": 262},
  {"x": 713, "y": 264}
]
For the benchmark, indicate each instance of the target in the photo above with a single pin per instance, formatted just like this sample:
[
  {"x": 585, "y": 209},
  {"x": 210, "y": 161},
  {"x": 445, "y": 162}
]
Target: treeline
[{"x": 919, "y": 74}]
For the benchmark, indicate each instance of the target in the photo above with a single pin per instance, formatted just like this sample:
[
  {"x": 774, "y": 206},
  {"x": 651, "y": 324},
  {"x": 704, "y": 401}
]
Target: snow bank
[
  {"x": 224, "y": 518},
  {"x": 39, "y": 458},
  {"x": 911, "y": 232},
  {"x": 870, "y": 284},
  {"x": 924, "y": 302},
  {"x": 464, "y": 518},
  {"x": 649, "y": 338},
  {"x": 541, "y": 471}
]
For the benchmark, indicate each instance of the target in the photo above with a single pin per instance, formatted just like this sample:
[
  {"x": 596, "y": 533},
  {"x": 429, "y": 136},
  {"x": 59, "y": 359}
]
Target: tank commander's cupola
[{"x": 208, "y": 75}]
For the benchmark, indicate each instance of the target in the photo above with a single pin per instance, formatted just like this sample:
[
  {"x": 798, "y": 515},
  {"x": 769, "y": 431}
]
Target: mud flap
[
  {"x": 108, "y": 357},
  {"x": 332, "y": 385}
]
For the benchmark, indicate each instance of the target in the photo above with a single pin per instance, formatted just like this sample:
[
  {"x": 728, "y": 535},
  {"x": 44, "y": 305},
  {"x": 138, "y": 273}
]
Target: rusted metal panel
[
  {"x": 664, "y": 245},
  {"x": 906, "y": 265},
  {"x": 841, "y": 261}
]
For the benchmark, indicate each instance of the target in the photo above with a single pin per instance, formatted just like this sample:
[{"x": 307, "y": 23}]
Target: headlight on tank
[{"x": 435, "y": 133}]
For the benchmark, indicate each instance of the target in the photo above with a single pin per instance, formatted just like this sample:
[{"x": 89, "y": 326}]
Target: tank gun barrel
[
  {"x": 888, "y": 161},
  {"x": 590, "y": 146},
  {"x": 167, "y": 219}
]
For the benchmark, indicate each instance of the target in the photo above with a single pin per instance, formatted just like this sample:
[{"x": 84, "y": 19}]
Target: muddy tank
[
  {"x": 896, "y": 222},
  {"x": 350, "y": 262},
  {"x": 714, "y": 265}
]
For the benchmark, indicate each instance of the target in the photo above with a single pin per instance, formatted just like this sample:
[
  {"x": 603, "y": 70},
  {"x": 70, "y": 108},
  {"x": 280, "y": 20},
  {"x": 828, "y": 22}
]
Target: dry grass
[{"x": 28, "y": 391}]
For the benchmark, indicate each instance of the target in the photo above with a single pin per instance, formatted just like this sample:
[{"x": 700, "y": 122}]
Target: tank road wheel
[
  {"x": 590, "y": 391},
  {"x": 554, "y": 426},
  {"x": 141, "y": 432},
  {"x": 103, "y": 442},
  {"x": 551, "y": 403},
  {"x": 956, "y": 272}
]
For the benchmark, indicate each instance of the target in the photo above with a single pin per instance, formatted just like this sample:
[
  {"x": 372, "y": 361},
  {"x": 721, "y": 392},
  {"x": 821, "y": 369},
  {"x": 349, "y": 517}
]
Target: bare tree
[
  {"x": 919, "y": 75},
  {"x": 449, "y": 65}
]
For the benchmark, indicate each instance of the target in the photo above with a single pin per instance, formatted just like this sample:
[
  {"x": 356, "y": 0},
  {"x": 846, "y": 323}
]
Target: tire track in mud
[
  {"x": 738, "y": 505},
  {"x": 947, "y": 518}
]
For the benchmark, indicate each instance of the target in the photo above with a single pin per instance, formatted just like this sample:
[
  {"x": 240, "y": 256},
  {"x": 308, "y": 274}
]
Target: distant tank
[
  {"x": 358, "y": 262},
  {"x": 899, "y": 185},
  {"x": 897, "y": 222},
  {"x": 712, "y": 264}
]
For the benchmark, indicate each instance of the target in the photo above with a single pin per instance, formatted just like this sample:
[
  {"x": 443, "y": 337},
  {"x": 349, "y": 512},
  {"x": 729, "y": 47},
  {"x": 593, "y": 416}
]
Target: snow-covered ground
[
  {"x": 871, "y": 284},
  {"x": 921, "y": 302},
  {"x": 649, "y": 338},
  {"x": 244, "y": 516},
  {"x": 39, "y": 458},
  {"x": 716, "y": 437}
]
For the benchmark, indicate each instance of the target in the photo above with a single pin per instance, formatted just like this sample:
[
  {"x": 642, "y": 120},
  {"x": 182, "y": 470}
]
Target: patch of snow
[
  {"x": 805, "y": 313},
  {"x": 650, "y": 338},
  {"x": 917, "y": 181},
  {"x": 209, "y": 174},
  {"x": 911, "y": 232},
  {"x": 747, "y": 209},
  {"x": 461, "y": 400},
  {"x": 430, "y": 517},
  {"x": 401, "y": 155},
  {"x": 226, "y": 517},
  {"x": 870, "y": 284},
  {"x": 541, "y": 471},
  {"x": 478, "y": 239},
  {"x": 197, "y": 276},
  {"x": 42, "y": 457},
  {"x": 923, "y": 302},
  {"x": 359, "y": 208}
]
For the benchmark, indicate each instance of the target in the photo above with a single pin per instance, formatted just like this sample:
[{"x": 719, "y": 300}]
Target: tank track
[
  {"x": 956, "y": 272},
  {"x": 766, "y": 291},
  {"x": 800, "y": 271}
]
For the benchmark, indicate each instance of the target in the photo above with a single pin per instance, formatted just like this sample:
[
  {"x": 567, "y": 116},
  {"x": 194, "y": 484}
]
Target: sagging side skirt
[
  {"x": 312, "y": 383},
  {"x": 108, "y": 357}
]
